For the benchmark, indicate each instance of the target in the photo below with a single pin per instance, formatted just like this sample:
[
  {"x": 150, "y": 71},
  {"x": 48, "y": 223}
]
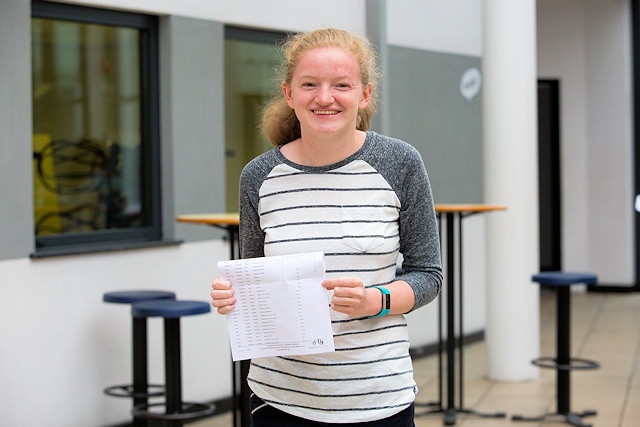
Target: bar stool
[
  {"x": 139, "y": 390},
  {"x": 176, "y": 411},
  {"x": 563, "y": 363}
]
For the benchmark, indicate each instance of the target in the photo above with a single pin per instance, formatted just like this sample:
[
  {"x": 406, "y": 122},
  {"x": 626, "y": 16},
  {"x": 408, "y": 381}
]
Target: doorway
[{"x": 549, "y": 175}]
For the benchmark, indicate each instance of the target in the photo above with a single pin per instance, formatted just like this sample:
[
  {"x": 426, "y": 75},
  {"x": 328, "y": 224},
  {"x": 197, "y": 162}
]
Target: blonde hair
[{"x": 279, "y": 122}]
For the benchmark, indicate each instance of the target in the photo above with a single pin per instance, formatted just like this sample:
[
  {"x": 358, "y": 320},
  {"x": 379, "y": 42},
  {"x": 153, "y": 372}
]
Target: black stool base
[
  {"x": 189, "y": 411},
  {"x": 571, "y": 418},
  {"x": 575, "y": 363},
  {"x": 126, "y": 390},
  {"x": 450, "y": 414}
]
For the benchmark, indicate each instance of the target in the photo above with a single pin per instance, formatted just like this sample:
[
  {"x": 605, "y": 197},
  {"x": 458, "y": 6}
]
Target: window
[
  {"x": 251, "y": 57},
  {"x": 95, "y": 128}
]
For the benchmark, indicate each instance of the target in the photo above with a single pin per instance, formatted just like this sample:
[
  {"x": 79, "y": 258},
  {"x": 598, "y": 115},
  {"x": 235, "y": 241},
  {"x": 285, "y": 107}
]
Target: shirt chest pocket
[{"x": 365, "y": 228}]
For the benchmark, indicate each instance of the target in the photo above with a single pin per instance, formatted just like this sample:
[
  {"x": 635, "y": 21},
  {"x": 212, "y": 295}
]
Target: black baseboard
[
  {"x": 431, "y": 349},
  {"x": 613, "y": 288},
  {"x": 603, "y": 288}
]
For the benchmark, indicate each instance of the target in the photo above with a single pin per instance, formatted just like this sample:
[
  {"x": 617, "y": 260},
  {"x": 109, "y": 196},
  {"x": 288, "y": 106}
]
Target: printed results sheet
[{"x": 281, "y": 309}]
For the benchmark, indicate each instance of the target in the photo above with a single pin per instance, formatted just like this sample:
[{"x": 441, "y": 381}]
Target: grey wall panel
[
  {"x": 192, "y": 75},
  {"x": 16, "y": 157},
  {"x": 427, "y": 109}
]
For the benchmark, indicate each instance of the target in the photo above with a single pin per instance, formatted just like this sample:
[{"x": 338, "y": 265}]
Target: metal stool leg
[
  {"x": 172, "y": 366},
  {"x": 563, "y": 363}
]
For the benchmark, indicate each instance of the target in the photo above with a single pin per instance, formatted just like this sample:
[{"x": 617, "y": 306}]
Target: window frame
[
  {"x": 254, "y": 35},
  {"x": 116, "y": 239}
]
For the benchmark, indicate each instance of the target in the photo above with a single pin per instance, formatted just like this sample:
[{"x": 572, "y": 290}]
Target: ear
[
  {"x": 286, "y": 90},
  {"x": 366, "y": 96}
]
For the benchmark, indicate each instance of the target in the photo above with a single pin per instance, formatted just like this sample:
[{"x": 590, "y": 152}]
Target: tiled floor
[{"x": 605, "y": 328}]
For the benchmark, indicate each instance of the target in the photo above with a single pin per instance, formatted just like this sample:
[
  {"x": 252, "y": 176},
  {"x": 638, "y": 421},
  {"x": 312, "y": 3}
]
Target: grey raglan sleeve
[
  {"x": 251, "y": 234},
  {"x": 419, "y": 239}
]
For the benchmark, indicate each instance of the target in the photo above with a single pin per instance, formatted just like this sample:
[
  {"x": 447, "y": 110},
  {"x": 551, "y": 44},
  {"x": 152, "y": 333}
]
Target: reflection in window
[
  {"x": 86, "y": 107},
  {"x": 92, "y": 143},
  {"x": 250, "y": 62}
]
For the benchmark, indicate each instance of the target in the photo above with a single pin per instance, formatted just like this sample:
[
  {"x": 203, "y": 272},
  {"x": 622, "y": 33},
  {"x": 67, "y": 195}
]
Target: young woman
[{"x": 331, "y": 185}]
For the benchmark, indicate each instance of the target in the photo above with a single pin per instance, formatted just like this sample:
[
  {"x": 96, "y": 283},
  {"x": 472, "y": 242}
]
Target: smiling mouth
[{"x": 325, "y": 112}]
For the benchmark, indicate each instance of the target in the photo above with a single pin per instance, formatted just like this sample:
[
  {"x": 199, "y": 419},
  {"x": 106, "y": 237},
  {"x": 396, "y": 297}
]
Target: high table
[
  {"x": 449, "y": 214},
  {"x": 239, "y": 370}
]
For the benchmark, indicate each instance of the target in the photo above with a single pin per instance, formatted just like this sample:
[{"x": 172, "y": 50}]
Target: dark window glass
[
  {"x": 251, "y": 57},
  {"x": 95, "y": 121}
]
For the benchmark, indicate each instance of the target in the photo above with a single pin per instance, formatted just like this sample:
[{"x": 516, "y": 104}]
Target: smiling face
[{"x": 326, "y": 91}]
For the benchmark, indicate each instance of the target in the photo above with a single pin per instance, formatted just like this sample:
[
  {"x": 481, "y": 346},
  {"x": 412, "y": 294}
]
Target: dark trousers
[{"x": 263, "y": 415}]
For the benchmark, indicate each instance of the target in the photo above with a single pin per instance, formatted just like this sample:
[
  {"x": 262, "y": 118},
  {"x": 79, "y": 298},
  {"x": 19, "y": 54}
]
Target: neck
[{"x": 325, "y": 150}]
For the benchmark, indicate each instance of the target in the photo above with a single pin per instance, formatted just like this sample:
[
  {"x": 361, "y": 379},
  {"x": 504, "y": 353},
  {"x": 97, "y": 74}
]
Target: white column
[{"x": 511, "y": 178}]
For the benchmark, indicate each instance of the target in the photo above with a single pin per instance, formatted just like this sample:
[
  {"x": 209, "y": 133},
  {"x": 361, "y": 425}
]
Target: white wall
[
  {"x": 61, "y": 345},
  {"x": 279, "y": 15},
  {"x": 610, "y": 130},
  {"x": 454, "y": 26},
  {"x": 586, "y": 45},
  {"x": 561, "y": 34}
]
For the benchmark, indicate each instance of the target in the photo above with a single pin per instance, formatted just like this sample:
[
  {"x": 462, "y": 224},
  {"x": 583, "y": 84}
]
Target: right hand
[{"x": 222, "y": 296}]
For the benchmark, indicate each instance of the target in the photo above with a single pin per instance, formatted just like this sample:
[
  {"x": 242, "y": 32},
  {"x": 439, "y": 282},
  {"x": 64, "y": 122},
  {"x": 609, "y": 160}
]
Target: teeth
[{"x": 325, "y": 112}]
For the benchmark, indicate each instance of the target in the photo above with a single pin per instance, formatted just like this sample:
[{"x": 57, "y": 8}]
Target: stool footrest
[
  {"x": 190, "y": 410},
  {"x": 126, "y": 390},
  {"x": 575, "y": 363},
  {"x": 572, "y": 418}
]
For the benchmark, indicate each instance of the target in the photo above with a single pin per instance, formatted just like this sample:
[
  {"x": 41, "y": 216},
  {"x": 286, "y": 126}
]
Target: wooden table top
[
  {"x": 233, "y": 218},
  {"x": 470, "y": 208}
]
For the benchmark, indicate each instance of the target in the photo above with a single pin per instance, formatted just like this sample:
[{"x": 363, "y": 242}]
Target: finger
[
  {"x": 223, "y": 302},
  {"x": 346, "y": 309},
  {"x": 355, "y": 293},
  {"x": 226, "y": 309},
  {"x": 347, "y": 299},
  {"x": 347, "y": 282},
  {"x": 221, "y": 295},
  {"x": 221, "y": 284},
  {"x": 328, "y": 284}
]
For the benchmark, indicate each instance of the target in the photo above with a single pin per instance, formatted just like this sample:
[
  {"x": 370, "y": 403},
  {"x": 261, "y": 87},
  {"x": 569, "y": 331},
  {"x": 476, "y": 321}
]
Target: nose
[{"x": 324, "y": 96}]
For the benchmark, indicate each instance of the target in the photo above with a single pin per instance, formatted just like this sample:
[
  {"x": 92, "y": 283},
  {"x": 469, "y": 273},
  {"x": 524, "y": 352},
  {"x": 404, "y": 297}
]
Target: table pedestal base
[
  {"x": 454, "y": 347},
  {"x": 450, "y": 414},
  {"x": 572, "y": 418}
]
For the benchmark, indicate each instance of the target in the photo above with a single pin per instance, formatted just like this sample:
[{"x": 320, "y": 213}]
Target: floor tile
[{"x": 605, "y": 328}]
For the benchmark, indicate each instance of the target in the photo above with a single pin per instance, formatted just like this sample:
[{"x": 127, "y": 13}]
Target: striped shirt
[{"x": 361, "y": 213}]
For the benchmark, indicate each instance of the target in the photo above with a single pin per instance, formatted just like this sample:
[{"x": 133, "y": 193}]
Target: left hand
[{"x": 352, "y": 298}]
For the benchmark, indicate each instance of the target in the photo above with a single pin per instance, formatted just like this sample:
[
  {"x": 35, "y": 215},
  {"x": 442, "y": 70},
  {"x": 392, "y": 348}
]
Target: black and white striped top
[{"x": 361, "y": 212}]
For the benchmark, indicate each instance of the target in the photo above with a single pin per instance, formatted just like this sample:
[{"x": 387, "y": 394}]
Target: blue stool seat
[
  {"x": 139, "y": 389},
  {"x": 169, "y": 309},
  {"x": 562, "y": 278},
  {"x": 130, "y": 297},
  {"x": 563, "y": 363},
  {"x": 176, "y": 412}
]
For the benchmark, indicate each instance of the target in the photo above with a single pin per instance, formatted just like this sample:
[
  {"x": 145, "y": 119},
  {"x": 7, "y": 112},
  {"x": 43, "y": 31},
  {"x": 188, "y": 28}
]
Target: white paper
[{"x": 281, "y": 309}]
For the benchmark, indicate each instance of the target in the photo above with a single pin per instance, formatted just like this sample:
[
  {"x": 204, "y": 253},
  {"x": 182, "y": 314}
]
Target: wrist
[{"x": 385, "y": 305}]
